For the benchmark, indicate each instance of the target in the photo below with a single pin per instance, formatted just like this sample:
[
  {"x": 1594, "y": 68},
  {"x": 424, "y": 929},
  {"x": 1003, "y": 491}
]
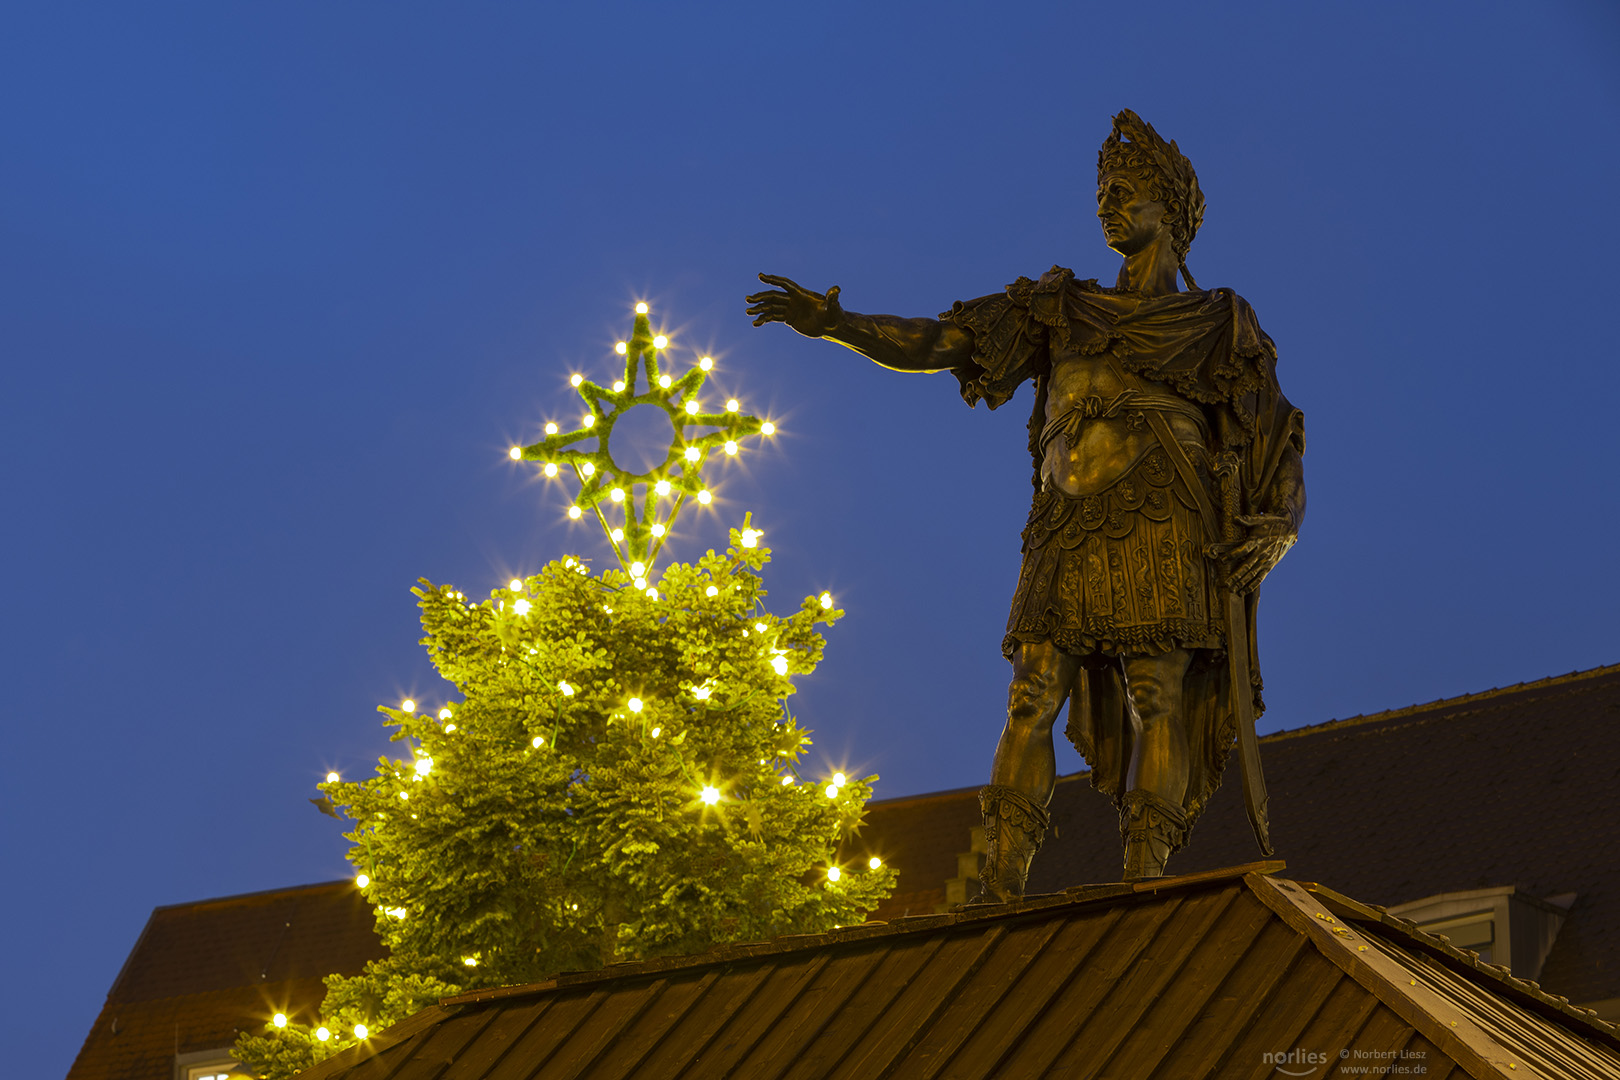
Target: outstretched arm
[{"x": 900, "y": 344}]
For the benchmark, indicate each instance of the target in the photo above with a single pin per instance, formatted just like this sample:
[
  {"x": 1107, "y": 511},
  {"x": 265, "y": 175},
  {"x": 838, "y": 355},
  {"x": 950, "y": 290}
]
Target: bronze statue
[{"x": 1168, "y": 482}]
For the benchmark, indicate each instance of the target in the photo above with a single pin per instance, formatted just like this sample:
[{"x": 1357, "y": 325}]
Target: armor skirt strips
[{"x": 1118, "y": 573}]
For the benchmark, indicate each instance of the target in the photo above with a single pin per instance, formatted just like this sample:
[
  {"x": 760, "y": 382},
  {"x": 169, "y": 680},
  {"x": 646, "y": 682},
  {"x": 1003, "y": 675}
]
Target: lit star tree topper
[{"x": 637, "y": 510}]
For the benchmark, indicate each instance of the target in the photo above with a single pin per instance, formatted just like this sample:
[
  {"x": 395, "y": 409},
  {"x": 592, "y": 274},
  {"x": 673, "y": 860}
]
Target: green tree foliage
[{"x": 620, "y": 780}]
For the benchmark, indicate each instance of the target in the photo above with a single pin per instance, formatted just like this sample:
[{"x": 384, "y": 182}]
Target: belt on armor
[{"x": 1068, "y": 422}]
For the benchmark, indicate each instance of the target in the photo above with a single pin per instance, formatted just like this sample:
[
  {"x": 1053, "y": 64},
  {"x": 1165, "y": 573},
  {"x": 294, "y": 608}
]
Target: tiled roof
[
  {"x": 1518, "y": 786},
  {"x": 1193, "y": 976},
  {"x": 201, "y": 971}
]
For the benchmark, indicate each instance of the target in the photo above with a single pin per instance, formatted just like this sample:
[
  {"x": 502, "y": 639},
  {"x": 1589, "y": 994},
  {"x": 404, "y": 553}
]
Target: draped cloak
[{"x": 1203, "y": 346}]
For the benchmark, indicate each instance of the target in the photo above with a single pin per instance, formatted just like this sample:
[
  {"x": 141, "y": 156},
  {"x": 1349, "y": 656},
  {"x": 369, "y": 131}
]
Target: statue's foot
[
  {"x": 1013, "y": 829},
  {"x": 1154, "y": 829}
]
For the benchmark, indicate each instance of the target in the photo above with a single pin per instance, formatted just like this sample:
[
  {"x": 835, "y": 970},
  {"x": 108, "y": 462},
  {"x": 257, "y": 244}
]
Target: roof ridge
[
  {"x": 1440, "y": 703},
  {"x": 261, "y": 894}
]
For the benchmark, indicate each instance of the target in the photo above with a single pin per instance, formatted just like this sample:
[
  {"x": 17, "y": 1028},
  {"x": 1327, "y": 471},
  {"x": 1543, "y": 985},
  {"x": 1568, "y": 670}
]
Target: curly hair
[{"x": 1133, "y": 146}]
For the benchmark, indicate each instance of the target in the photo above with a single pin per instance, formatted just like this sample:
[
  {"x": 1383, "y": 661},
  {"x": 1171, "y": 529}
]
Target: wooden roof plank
[
  {"x": 433, "y": 1055},
  {"x": 936, "y": 988},
  {"x": 1379, "y": 1039},
  {"x": 833, "y": 990},
  {"x": 630, "y": 1051},
  {"x": 591, "y": 1040},
  {"x": 1289, "y": 1009},
  {"x": 1012, "y": 955},
  {"x": 689, "y": 1037},
  {"x": 508, "y": 1024},
  {"x": 868, "y": 1009},
  {"x": 529, "y": 1054},
  {"x": 363, "y": 1058},
  {"x": 1343, "y": 1012},
  {"x": 1104, "y": 959},
  {"x": 1205, "y": 970},
  {"x": 1245, "y": 994},
  {"x": 1084, "y": 1027},
  {"x": 783, "y": 984}
]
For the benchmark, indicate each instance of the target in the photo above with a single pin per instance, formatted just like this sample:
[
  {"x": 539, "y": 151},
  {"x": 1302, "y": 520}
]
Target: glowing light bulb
[
  {"x": 589, "y": 421},
  {"x": 874, "y": 862},
  {"x": 551, "y": 468},
  {"x": 838, "y": 778},
  {"x": 424, "y": 766},
  {"x": 787, "y": 781},
  {"x": 826, "y": 600},
  {"x": 398, "y": 912},
  {"x": 704, "y": 497},
  {"x": 538, "y": 741},
  {"x": 408, "y": 705},
  {"x": 470, "y": 961},
  {"x": 618, "y": 535},
  {"x": 750, "y": 538},
  {"x": 621, "y": 348},
  {"x": 662, "y": 487},
  {"x": 833, "y": 873},
  {"x": 361, "y": 1031},
  {"x": 516, "y": 584},
  {"x": 637, "y": 569},
  {"x": 280, "y": 1020},
  {"x": 617, "y": 494},
  {"x": 832, "y": 791},
  {"x": 323, "y": 1033},
  {"x": 732, "y": 405},
  {"x": 706, "y": 363},
  {"x": 767, "y": 428},
  {"x": 575, "y": 512},
  {"x": 731, "y": 446},
  {"x": 780, "y": 664},
  {"x": 658, "y": 530},
  {"x": 576, "y": 380},
  {"x": 588, "y": 469},
  {"x": 362, "y": 880},
  {"x": 551, "y": 429},
  {"x": 710, "y": 796},
  {"x": 657, "y": 731},
  {"x": 332, "y": 778},
  {"x": 618, "y": 386},
  {"x": 522, "y": 607},
  {"x": 660, "y": 341},
  {"x": 702, "y": 693},
  {"x": 641, "y": 308},
  {"x": 760, "y": 627},
  {"x": 691, "y": 453},
  {"x": 712, "y": 590},
  {"x": 634, "y": 704},
  {"x": 664, "y": 381},
  {"x": 565, "y": 690},
  {"x": 404, "y": 796},
  {"x": 691, "y": 408},
  {"x": 449, "y": 727},
  {"x": 516, "y": 454},
  {"x": 640, "y": 583}
]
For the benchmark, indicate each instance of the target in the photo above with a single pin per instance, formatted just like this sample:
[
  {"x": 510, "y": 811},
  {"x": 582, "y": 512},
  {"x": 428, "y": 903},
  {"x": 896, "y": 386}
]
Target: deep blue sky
[{"x": 279, "y": 285}]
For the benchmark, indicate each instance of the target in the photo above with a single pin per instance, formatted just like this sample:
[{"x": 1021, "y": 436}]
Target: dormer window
[{"x": 1504, "y": 926}]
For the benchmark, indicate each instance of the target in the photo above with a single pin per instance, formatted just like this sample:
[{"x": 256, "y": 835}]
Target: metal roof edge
[
  {"x": 1548, "y": 682},
  {"x": 1524, "y": 992}
]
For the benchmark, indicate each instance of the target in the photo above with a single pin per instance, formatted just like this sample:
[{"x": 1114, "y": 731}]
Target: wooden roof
[{"x": 1193, "y": 976}]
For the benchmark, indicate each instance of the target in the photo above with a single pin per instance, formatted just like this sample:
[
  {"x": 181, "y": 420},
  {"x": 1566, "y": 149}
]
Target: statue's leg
[
  {"x": 1025, "y": 768},
  {"x": 1152, "y": 819}
]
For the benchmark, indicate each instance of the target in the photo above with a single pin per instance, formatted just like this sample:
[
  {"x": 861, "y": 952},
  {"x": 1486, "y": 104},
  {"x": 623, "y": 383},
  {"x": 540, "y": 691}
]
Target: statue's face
[{"x": 1131, "y": 218}]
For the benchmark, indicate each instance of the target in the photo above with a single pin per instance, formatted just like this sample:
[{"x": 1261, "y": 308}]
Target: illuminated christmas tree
[{"x": 616, "y": 774}]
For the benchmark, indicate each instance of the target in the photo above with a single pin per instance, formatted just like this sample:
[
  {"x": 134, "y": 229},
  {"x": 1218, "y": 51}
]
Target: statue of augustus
[{"x": 1168, "y": 483}]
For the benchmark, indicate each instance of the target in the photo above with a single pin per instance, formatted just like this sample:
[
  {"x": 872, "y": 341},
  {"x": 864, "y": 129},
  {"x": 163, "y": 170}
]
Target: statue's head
[{"x": 1147, "y": 170}]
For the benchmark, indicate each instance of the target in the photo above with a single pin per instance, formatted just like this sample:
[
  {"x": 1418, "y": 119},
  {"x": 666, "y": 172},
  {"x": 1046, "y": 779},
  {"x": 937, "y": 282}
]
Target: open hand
[
  {"x": 810, "y": 313},
  {"x": 1270, "y": 537}
]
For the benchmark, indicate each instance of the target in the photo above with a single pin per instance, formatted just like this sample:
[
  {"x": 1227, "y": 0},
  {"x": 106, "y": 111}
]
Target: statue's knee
[
  {"x": 1155, "y": 702},
  {"x": 1031, "y": 704}
]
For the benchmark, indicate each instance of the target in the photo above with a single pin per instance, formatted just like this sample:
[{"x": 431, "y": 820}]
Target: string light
[
  {"x": 618, "y": 385},
  {"x": 634, "y": 704},
  {"x": 522, "y": 607},
  {"x": 704, "y": 497},
  {"x": 538, "y": 741},
  {"x": 637, "y": 569},
  {"x": 516, "y": 453},
  {"x": 323, "y": 1033},
  {"x": 551, "y": 469},
  {"x": 361, "y": 1031},
  {"x": 589, "y": 420},
  {"x": 662, "y": 487},
  {"x": 732, "y": 405},
  {"x": 404, "y": 795},
  {"x": 702, "y": 693},
  {"x": 833, "y": 873},
  {"x": 449, "y": 727},
  {"x": 444, "y": 714},
  {"x": 565, "y": 690},
  {"x": 408, "y": 705},
  {"x": 707, "y": 363},
  {"x": 838, "y": 778},
  {"x": 780, "y": 664},
  {"x": 621, "y": 348},
  {"x": 280, "y": 1020},
  {"x": 640, "y": 583},
  {"x": 332, "y": 778},
  {"x": 575, "y": 512},
  {"x": 832, "y": 791},
  {"x": 657, "y": 731},
  {"x": 515, "y": 585},
  {"x": 617, "y": 494},
  {"x": 660, "y": 341},
  {"x": 750, "y": 538},
  {"x": 424, "y": 766},
  {"x": 787, "y": 781},
  {"x": 826, "y": 600},
  {"x": 658, "y": 530},
  {"x": 712, "y": 590},
  {"x": 710, "y": 796},
  {"x": 588, "y": 469},
  {"x": 470, "y": 961},
  {"x": 731, "y": 447},
  {"x": 576, "y": 380},
  {"x": 691, "y": 453},
  {"x": 874, "y": 862},
  {"x": 641, "y": 308},
  {"x": 767, "y": 428},
  {"x": 618, "y": 536},
  {"x": 551, "y": 429},
  {"x": 362, "y": 880},
  {"x": 692, "y": 408},
  {"x": 759, "y": 626},
  {"x": 664, "y": 382}
]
